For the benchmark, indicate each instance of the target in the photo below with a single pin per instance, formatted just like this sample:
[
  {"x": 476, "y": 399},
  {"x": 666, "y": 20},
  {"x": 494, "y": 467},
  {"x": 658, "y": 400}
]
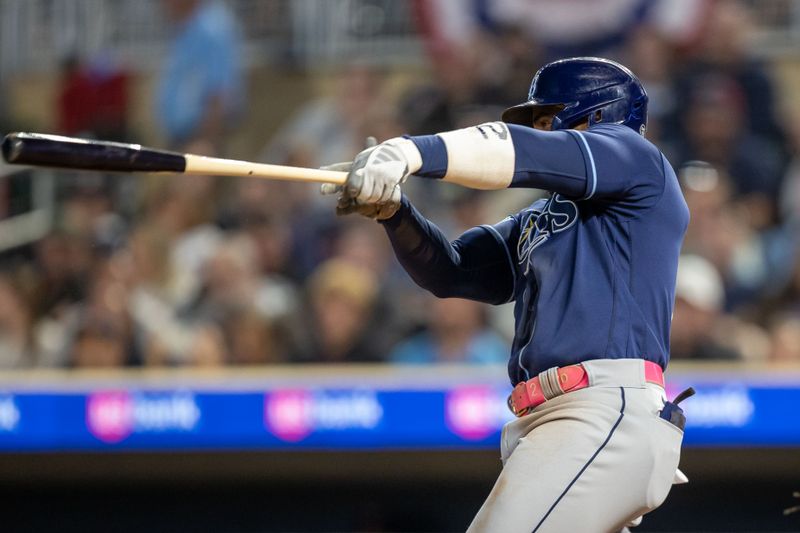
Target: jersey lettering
[{"x": 558, "y": 214}]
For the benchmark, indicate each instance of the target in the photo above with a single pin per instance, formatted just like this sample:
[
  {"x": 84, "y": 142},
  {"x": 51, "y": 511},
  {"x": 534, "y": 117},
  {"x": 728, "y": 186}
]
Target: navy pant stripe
[{"x": 610, "y": 433}]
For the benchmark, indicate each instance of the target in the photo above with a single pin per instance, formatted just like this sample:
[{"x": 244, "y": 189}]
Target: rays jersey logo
[{"x": 557, "y": 215}]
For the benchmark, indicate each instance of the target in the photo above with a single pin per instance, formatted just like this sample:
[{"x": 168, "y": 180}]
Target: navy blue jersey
[{"x": 591, "y": 268}]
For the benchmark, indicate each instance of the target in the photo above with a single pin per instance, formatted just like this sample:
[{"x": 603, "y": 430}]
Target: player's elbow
[
  {"x": 441, "y": 292},
  {"x": 436, "y": 286},
  {"x": 438, "y": 289},
  {"x": 451, "y": 290}
]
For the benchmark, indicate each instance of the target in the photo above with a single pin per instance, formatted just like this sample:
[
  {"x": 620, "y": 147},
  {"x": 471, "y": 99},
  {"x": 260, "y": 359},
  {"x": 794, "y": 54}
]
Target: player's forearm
[
  {"x": 436, "y": 264},
  {"x": 423, "y": 250},
  {"x": 497, "y": 156}
]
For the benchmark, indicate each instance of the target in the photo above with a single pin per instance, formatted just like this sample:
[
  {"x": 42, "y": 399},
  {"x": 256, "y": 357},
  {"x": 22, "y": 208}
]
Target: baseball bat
[{"x": 39, "y": 149}]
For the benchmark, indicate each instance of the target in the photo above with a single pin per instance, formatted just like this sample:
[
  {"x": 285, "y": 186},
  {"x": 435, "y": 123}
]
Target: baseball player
[{"x": 591, "y": 270}]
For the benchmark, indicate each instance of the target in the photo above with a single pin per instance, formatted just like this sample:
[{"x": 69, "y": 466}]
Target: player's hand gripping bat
[{"x": 69, "y": 152}]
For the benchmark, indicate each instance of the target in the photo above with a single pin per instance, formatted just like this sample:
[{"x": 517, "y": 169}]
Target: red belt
[{"x": 529, "y": 394}]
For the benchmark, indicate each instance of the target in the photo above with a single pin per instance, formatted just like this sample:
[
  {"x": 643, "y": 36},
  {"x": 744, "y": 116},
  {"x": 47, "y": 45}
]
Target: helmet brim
[
  {"x": 524, "y": 113},
  {"x": 519, "y": 114}
]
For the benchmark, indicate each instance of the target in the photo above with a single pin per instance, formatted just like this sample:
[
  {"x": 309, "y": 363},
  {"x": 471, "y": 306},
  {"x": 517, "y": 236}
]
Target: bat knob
[{"x": 12, "y": 147}]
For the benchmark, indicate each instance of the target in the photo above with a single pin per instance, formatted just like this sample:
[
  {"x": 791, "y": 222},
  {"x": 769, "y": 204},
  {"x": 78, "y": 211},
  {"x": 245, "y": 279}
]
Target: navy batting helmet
[{"x": 584, "y": 87}]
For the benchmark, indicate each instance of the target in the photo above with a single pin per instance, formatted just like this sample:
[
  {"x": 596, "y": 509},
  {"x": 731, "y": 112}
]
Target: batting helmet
[{"x": 579, "y": 88}]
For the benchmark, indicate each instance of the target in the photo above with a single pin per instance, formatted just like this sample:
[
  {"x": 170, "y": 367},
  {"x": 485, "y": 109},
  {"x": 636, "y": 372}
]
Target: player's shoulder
[
  {"x": 623, "y": 134},
  {"x": 627, "y": 144},
  {"x": 620, "y": 132}
]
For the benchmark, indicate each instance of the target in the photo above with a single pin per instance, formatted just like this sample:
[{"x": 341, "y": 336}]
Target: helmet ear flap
[
  {"x": 595, "y": 117},
  {"x": 639, "y": 113},
  {"x": 637, "y": 108}
]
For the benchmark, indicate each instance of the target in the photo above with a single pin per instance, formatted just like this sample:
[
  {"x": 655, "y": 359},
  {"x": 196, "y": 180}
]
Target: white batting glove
[
  {"x": 375, "y": 174},
  {"x": 373, "y": 183},
  {"x": 347, "y": 205},
  {"x": 377, "y": 171}
]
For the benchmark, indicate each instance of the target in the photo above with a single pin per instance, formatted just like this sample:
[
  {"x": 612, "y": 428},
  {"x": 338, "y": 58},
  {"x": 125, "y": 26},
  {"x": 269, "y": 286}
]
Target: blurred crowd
[{"x": 169, "y": 271}]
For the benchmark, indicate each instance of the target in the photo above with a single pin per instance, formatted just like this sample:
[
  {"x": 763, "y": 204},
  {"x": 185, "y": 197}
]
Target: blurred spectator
[
  {"x": 284, "y": 227},
  {"x": 343, "y": 324},
  {"x": 15, "y": 322},
  {"x": 508, "y": 64},
  {"x": 333, "y": 128},
  {"x": 650, "y": 55},
  {"x": 233, "y": 293},
  {"x": 58, "y": 273},
  {"x": 698, "y": 307},
  {"x": 200, "y": 89},
  {"x": 725, "y": 49},
  {"x": 790, "y": 193},
  {"x": 183, "y": 209},
  {"x": 785, "y": 332},
  {"x": 787, "y": 299},
  {"x": 578, "y": 27},
  {"x": 700, "y": 329},
  {"x": 681, "y": 22},
  {"x": 98, "y": 344},
  {"x": 363, "y": 243},
  {"x": 230, "y": 281},
  {"x": 717, "y": 230},
  {"x": 716, "y": 131},
  {"x": 86, "y": 198},
  {"x": 457, "y": 333},
  {"x": 93, "y": 99},
  {"x": 104, "y": 330},
  {"x": 158, "y": 292},
  {"x": 725, "y": 231},
  {"x": 208, "y": 346},
  {"x": 575, "y": 28},
  {"x": 252, "y": 340},
  {"x": 466, "y": 87},
  {"x": 278, "y": 298},
  {"x": 730, "y": 117}
]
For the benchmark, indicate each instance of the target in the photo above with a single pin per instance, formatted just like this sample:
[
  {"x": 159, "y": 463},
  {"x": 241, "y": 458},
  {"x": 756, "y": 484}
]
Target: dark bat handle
[{"x": 69, "y": 152}]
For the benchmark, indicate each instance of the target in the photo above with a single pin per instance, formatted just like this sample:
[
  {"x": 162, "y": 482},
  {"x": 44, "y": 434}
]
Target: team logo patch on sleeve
[{"x": 557, "y": 215}]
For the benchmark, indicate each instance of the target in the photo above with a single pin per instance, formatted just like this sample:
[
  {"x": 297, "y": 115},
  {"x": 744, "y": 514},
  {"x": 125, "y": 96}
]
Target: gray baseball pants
[{"x": 591, "y": 460}]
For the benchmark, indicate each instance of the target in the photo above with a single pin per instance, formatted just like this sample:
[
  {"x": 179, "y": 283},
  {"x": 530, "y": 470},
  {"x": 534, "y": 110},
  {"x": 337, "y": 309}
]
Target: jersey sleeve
[
  {"x": 605, "y": 163},
  {"x": 479, "y": 265}
]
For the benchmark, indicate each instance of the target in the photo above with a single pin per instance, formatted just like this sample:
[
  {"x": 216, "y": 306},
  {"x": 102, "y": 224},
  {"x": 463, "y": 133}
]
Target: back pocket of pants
[{"x": 665, "y": 441}]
